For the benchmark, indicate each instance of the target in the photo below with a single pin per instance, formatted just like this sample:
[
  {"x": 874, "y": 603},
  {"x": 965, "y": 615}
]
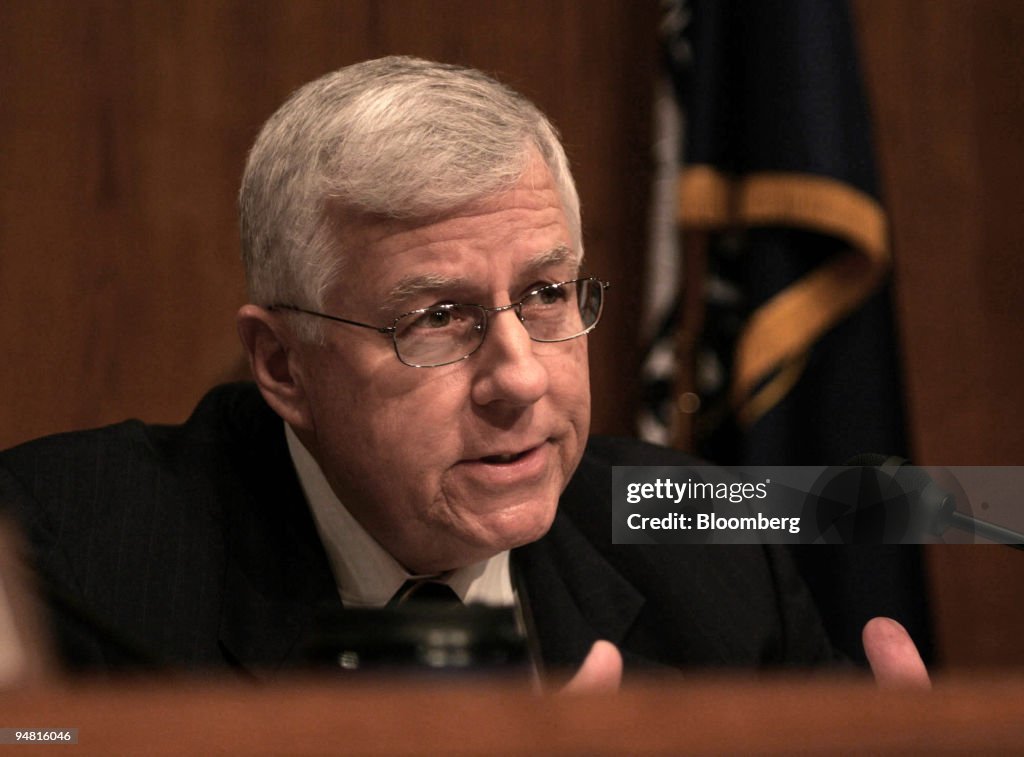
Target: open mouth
[
  {"x": 500, "y": 459},
  {"x": 525, "y": 467}
]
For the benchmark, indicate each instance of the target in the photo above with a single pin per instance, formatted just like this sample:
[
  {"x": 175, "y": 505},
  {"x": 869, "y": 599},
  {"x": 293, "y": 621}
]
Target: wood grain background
[{"x": 124, "y": 127}]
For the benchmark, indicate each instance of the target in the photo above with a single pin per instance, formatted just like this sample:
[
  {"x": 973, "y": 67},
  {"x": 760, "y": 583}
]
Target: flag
[{"x": 784, "y": 332}]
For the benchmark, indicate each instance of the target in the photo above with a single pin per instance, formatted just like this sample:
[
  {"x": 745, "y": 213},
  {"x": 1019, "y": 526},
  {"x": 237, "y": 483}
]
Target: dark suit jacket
[{"x": 193, "y": 546}]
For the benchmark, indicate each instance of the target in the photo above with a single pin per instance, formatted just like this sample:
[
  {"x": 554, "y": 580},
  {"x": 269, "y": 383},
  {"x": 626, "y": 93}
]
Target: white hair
[{"x": 395, "y": 137}]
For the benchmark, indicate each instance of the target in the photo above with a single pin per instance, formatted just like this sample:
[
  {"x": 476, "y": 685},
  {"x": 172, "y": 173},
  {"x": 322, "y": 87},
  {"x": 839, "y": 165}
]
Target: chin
[
  {"x": 527, "y": 525},
  {"x": 481, "y": 543}
]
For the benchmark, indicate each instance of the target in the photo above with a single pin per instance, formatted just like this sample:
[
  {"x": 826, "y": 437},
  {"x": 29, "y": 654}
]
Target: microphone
[{"x": 934, "y": 508}]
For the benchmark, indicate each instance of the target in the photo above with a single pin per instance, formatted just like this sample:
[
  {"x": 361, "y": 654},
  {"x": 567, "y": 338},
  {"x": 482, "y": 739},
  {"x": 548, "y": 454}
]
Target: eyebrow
[{"x": 409, "y": 287}]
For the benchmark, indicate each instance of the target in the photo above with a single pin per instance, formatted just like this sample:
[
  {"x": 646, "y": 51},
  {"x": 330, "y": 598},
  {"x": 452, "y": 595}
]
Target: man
[{"x": 417, "y": 336}]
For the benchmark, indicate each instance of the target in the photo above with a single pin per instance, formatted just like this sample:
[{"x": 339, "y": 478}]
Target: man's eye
[
  {"x": 434, "y": 319},
  {"x": 551, "y": 295}
]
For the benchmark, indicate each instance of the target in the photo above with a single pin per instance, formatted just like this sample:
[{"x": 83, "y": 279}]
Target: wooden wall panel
[
  {"x": 947, "y": 83},
  {"x": 125, "y": 126},
  {"x": 948, "y": 86}
]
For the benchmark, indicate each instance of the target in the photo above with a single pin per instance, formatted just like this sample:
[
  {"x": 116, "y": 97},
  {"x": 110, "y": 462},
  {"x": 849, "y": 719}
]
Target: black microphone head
[{"x": 932, "y": 505}]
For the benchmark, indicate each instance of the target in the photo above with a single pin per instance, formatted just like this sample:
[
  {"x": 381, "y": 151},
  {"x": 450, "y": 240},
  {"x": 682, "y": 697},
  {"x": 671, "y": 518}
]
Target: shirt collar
[{"x": 366, "y": 574}]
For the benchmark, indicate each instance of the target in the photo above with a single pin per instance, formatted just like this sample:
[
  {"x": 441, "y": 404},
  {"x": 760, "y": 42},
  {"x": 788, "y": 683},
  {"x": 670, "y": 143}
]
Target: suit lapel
[
  {"x": 270, "y": 607},
  {"x": 575, "y": 594},
  {"x": 277, "y": 576}
]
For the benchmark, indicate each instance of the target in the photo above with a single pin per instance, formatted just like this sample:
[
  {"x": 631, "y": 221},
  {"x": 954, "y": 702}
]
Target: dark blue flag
[{"x": 792, "y": 357}]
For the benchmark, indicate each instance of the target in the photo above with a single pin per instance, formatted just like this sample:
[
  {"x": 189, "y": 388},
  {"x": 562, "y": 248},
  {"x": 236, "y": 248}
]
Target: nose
[{"x": 508, "y": 372}]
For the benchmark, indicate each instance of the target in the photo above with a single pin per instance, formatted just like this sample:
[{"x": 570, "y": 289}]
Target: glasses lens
[
  {"x": 448, "y": 333},
  {"x": 439, "y": 335},
  {"x": 563, "y": 311},
  {"x": 591, "y": 302}
]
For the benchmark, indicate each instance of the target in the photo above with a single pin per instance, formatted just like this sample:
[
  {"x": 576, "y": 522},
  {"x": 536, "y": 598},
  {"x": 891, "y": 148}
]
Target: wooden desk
[{"x": 704, "y": 715}]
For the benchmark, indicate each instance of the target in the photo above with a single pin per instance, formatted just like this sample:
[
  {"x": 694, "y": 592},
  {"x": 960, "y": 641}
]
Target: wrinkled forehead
[{"x": 483, "y": 258}]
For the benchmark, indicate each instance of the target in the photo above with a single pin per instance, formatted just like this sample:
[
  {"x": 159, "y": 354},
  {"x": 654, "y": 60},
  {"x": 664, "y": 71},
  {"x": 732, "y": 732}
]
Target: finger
[
  {"x": 601, "y": 671},
  {"x": 893, "y": 656}
]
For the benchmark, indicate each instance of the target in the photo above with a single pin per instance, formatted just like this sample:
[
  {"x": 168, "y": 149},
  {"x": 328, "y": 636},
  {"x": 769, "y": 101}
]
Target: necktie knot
[{"x": 425, "y": 591}]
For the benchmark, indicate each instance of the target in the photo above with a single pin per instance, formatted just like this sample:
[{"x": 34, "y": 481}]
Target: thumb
[
  {"x": 894, "y": 659},
  {"x": 601, "y": 671}
]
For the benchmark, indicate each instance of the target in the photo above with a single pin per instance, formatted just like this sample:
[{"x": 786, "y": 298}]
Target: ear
[{"x": 275, "y": 357}]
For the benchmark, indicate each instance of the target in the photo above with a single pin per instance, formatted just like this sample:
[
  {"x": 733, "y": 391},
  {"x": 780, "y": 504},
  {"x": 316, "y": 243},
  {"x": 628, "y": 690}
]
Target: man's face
[{"x": 449, "y": 465}]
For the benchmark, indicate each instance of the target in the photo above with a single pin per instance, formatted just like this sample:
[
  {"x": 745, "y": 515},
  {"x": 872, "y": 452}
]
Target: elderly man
[{"x": 421, "y": 408}]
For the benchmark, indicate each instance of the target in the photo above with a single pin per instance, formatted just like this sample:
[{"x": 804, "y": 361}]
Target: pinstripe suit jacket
[{"x": 193, "y": 546}]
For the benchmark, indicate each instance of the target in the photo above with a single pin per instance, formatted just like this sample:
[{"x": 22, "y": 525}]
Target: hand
[
  {"x": 894, "y": 659},
  {"x": 601, "y": 671}
]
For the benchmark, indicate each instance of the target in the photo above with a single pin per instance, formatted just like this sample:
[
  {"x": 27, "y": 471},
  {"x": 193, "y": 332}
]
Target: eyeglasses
[{"x": 447, "y": 333}]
